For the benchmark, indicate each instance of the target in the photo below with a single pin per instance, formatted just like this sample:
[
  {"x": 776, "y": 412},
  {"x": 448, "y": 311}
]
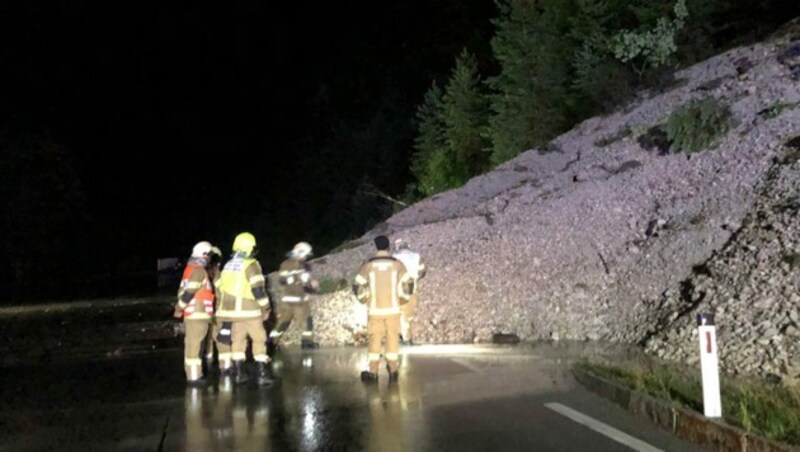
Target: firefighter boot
[
  {"x": 264, "y": 379},
  {"x": 240, "y": 372},
  {"x": 210, "y": 371},
  {"x": 369, "y": 377},
  {"x": 393, "y": 375}
]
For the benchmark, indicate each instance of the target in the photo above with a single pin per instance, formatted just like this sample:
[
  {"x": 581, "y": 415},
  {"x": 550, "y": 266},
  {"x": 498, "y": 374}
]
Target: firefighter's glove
[
  {"x": 361, "y": 292},
  {"x": 312, "y": 286}
]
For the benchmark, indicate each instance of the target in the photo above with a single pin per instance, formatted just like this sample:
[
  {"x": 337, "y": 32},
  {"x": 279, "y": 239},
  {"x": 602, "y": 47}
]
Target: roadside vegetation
[
  {"x": 697, "y": 125},
  {"x": 557, "y": 62},
  {"x": 772, "y": 411}
]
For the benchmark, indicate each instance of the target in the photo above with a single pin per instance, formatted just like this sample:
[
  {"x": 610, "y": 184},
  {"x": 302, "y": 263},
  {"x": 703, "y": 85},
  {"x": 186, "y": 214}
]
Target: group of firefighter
[{"x": 222, "y": 306}]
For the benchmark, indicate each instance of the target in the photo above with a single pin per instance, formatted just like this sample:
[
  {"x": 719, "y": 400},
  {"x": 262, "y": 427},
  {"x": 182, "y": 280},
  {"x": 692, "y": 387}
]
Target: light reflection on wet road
[{"x": 448, "y": 398}]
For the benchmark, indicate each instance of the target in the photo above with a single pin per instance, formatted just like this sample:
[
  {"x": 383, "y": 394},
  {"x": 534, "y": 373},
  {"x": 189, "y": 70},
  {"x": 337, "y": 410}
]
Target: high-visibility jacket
[
  {"x": 383, "y": 284},
  {"x": 242, "y": 290},
  {"x": 196, "y": 294},
  {"x": 295, "y": 278}
]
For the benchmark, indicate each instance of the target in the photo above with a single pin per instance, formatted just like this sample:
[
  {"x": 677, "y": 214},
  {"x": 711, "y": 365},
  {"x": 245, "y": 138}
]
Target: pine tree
[
  {"x": 450, "y": 143},
  {"x": 466, "y": 119},
  {"x": 530, "y": 89},
  {"x": 429, "y": 163},
  {"x": 564, "y": 60}
]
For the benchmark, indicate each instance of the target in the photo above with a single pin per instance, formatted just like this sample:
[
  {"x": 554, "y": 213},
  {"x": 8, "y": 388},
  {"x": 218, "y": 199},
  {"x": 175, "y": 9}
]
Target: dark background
[
  {"x": 129, "y": 132},
  {"x": 169, "y": 124}
]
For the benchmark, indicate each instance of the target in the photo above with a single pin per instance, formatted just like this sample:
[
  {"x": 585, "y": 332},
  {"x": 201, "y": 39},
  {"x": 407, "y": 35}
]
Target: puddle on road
[{"x": 318, "y": 399}]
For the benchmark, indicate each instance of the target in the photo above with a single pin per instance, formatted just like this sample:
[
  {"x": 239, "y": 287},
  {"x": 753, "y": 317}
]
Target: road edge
[{"x": 679, "y": 421}]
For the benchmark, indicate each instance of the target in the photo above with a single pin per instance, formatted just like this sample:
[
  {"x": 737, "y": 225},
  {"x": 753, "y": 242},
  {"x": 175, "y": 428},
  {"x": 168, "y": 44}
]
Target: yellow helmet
[{"x": 244, "y": 242}]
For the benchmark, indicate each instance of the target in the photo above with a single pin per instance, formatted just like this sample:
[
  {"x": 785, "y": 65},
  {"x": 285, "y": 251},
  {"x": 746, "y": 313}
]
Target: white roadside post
[{"x": 709, "y": 365}]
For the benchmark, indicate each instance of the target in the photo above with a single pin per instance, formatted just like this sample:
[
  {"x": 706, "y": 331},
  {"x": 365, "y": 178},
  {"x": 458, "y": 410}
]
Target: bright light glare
[
  {"x": 311, "y": 403},
  {"x": 363, "y": 362}
]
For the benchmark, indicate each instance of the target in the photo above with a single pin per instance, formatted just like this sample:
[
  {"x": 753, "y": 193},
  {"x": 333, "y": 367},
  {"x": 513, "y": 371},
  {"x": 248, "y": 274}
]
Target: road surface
[{"x": 449, "y": 398}]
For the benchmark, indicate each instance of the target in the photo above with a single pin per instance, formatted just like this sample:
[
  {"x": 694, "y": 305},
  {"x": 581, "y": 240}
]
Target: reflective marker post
[{"x": 709, "y": 365}]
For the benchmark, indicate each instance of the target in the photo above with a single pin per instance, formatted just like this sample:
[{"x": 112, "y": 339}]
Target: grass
[
  {"x": 770, "y": 411},
  {"x": 793, "y": 259},
  {"x": 696, "y": 126}
]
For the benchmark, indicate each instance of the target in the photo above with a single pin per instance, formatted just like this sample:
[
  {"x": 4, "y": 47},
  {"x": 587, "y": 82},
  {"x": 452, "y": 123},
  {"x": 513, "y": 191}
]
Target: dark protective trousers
[
  {"x": 254, "y": 328},
  {"x": 286, "y": 312}
]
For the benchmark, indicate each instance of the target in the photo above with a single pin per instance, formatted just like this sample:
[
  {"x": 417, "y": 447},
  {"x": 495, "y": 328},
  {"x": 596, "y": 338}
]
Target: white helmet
[
  {"x": 301, "y": 250},
  {"x": 401, "y": 244},
  {"x": 201, "y": 249}
]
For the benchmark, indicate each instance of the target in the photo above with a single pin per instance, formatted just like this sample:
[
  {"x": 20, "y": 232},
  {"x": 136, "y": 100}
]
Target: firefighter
[
  {"x": 384, "y": 285},
  {"x": 416, "y": 270},
  {"x": 296, "y": 286},
  {"x": 219, "y": 337},
  {"x": 196, "y": 307},
  {"x": 244, "y": 304}
]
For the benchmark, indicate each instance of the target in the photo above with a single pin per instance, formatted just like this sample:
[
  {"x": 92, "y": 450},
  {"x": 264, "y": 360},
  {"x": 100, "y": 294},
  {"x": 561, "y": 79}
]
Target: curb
[{"x": 679, "y": 421}]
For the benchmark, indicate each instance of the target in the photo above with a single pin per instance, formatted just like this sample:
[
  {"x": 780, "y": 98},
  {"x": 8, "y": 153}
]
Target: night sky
[{"x": 183, "y": 121}]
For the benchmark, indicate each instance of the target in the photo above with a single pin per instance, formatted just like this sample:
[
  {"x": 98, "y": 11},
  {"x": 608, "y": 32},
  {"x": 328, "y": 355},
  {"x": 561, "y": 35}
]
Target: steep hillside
[
  {"x": 752, "y": 286},
  {"x": 600, "y": 238}
]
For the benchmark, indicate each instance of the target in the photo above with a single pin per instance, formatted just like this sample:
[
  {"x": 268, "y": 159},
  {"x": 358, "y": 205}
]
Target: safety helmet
[
  {"x": 401, "y": 244},
  {"x": 244, "y": 242},
  {"x": 301, "y": 250},
  {"x": 201, "y": 249}
]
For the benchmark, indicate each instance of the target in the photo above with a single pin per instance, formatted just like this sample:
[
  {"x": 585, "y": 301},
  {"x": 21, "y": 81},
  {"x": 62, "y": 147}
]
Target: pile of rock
[
  {"x": 603, "y": 239},
  {"x": 752, "y": 286}
]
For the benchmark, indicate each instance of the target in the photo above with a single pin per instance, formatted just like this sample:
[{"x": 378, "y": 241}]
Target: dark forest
[{"x": 130, "y": 132}]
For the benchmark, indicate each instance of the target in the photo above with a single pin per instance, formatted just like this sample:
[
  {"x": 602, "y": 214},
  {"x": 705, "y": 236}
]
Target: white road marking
[
  {"x": 467, "y": 364},
  {"x": 602, "y": 428}
]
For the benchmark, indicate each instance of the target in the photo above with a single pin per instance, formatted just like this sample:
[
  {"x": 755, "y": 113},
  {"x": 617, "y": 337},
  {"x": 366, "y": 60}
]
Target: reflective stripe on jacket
[
  {"x": 195, "y": 282},
  {"x": 383, "y": 284},
  {"x": 295, "y": 277},
  {"x": 242, "y": 290}
]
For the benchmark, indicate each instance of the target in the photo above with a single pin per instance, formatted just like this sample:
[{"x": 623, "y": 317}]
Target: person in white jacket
[{"x": 415, "y": 269}]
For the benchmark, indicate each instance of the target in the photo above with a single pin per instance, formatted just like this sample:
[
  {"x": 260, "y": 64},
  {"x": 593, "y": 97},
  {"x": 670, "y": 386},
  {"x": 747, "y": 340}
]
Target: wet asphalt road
[{"x": 448, "y": 398}]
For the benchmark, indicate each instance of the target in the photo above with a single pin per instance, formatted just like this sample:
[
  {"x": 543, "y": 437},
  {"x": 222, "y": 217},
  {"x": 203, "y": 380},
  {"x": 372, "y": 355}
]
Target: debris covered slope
[{"x": 599, "y": 236}]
